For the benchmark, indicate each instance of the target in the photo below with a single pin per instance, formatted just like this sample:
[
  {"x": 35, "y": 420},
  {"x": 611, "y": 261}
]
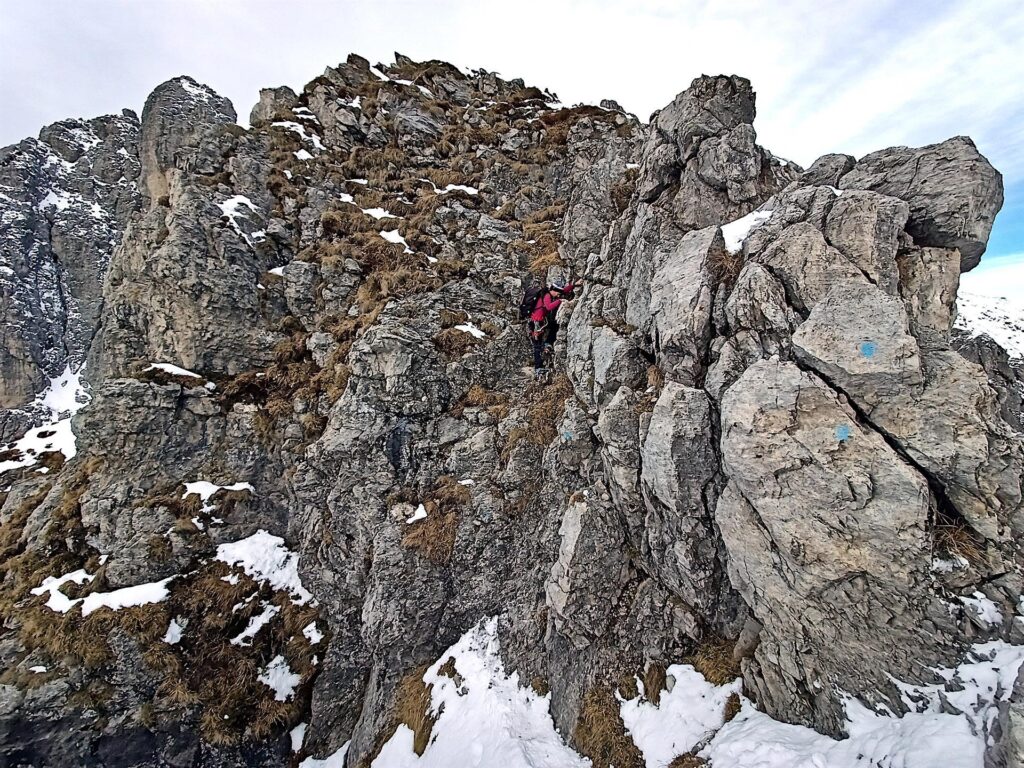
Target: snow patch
[
  {"x": 300, "y": 129},
  {"x": 200, "y": 91},
  {"x": 393, "y": 236},
  {"x": 173, "y": 634},
  {"x": 1000, "y": 317},
  {"x": 472, "y": 330},
  {"x": 63, "y": 397},
  {"x": 983, "y": 609},
  {"x": 689, "y": 712},
  {"x": 312, "y": 633},
  {"x": 419, "y": 514},
  {"x": 302, "y": 155},
  {"x": 266, "y": 558},
  {"x": 335, "y": 760},
  {"x": 172, "y": 369},
  {"x": 279, "y": 677},
  {"x": 484, "y": 719},
  {"x": 205, "y": 489},
  {"x": 59, "y": 201},
  {"x": 256, "y": 623},
  {"x": 297, "y": 735},
  {"x": 378, "y": 213},
  {"x": 57, "y": 600},
  {"x": 127, "y": 597},
  {"x": 924, "y": 738},
  {"x": 737, "y": 231}
]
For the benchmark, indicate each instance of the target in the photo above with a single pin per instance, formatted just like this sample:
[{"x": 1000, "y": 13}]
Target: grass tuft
[{"x": 601, "y": 735}]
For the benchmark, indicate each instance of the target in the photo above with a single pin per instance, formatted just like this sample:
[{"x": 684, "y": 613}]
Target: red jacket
[{"x": 547, "y": 306}]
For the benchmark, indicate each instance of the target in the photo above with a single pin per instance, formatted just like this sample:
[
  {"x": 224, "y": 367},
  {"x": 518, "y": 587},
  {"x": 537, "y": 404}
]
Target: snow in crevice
[
  {"x": 62, "y": 399},
  {"x": 204, "y": 489},
  {"x": 172, "y": 369},
  {"x": 736, "y": 232},
  {"x": 300, "y": 130},
  {"x": 472, "y": 330},
  {"x": 234, "y": 210},
  {"x": 278, "y": 676},
  {"x": 256, "y": 623},
  {"x": 394, "y": 236},
  {"x": 484, "y": 719},
  {"x": 334, "y": 760},
  {"x": 451, "y": 188},
  {"x": 265, "y": 558},
  {"x": 126, "y": 597},
  {"x": 174, "y": 631}
]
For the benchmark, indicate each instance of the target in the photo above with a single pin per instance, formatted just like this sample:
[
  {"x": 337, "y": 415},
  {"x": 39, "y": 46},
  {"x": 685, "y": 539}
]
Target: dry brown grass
[
  {"x": 553, "y": 213},
  {"x": 452, "y": 269},
  {"x": 434, "y": 536},
  {"x": 687, "y": 761},
  {"x": 724, "y": 266},
  {"x": 540, "y": 265},
  {"x": 542, "y": 417},
  {"x": 714, "y": 659},
  {"x": 655, "y": 383},
  {"x": 732, "y": 707},
  {"x": 452, "y": 317},
  {"x": 496, "y": 403},
  {"x": 412, "y": 707},
  {"x": 601, "y": 735},
  {"x": 347, "y": 221},
  {"x": 654, "y": 681},
  {"x": 617, "y": 324},
  {"x": 955, "y": 538},
  {"x": 454, "y": 343},
  {"x": 560, "y": 122},
  {"x": 622, "y": 191}
]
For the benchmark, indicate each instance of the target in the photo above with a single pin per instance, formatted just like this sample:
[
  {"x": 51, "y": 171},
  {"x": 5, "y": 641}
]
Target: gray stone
[{"x": 953, "y": 192}]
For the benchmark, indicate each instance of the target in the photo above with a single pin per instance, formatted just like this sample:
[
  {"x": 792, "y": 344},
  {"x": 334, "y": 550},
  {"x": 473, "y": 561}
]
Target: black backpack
[{"x": 529, "y": 302}]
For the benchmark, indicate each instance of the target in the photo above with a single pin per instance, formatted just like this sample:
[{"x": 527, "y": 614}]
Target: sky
[{"x": 831, "y": 75}]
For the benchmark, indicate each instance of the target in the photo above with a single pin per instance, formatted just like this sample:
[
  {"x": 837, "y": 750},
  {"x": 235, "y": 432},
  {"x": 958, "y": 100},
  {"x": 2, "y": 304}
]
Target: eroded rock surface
[{"x": 302, "y": 341}]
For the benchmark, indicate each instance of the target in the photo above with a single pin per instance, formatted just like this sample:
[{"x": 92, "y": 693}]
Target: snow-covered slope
[
  {"x": 481, "y": 716},
  {"x": 1001, "y": 317},
  {"x": 991, "y": 301}
]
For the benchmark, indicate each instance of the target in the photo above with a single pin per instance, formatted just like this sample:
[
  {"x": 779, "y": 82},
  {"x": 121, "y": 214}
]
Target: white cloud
[{"x": 830, "y": 75}]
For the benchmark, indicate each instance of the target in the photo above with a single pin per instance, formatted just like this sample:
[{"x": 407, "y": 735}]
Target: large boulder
[{"x": 953, "y": 191}]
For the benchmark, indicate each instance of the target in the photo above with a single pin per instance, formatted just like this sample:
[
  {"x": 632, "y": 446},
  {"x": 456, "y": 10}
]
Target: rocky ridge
[{"x": 763, "y": 443}]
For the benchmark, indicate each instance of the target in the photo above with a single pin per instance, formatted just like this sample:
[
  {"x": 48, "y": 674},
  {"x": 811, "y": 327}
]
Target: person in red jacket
[{"x": 542, "y": 325}]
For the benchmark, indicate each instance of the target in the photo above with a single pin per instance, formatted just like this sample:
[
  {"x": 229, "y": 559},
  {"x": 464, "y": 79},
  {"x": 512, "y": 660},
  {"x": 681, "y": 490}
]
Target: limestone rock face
[
  {"x": 67, "y": 198},
  {"x": 761, "y": 432}
]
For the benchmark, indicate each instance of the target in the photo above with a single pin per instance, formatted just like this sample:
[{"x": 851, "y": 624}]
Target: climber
[{"x": 540, "y": 308}]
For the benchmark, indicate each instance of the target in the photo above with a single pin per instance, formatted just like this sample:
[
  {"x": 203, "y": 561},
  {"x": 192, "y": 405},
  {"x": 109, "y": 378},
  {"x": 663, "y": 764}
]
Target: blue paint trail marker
[
  {"x": 843, "y": 433},
  {"x": 868, "y": 348}
]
